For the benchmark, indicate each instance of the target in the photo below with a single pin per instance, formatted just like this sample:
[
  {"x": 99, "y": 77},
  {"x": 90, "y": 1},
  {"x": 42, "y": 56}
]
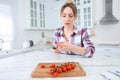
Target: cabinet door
[
  {"x": 34, "y": 16},
  {"x": 107, "y": 51}
]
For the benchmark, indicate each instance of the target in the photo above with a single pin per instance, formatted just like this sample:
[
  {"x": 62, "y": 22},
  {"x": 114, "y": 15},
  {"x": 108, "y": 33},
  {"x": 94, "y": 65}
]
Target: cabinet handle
[{"x": 107, "y": 49}]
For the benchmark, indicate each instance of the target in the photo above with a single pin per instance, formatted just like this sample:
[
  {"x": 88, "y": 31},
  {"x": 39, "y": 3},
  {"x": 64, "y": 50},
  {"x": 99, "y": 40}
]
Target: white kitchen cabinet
[
  {"x": 84, "y": 13},
  {"x": 107, "y": 51},
  {"x": 114, "y": 49},
  {"x": 45, "y": 14},
  {"x": 34, "y": 14}
]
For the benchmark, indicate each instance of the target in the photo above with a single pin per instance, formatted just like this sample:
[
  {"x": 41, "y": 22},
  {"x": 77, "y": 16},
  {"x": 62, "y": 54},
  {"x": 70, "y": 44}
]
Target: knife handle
[{"x": 54, "y": 47}]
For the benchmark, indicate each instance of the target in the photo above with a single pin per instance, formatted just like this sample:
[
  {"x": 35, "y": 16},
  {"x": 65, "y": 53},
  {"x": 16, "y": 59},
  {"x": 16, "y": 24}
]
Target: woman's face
[{"x": 68, "y": 17}]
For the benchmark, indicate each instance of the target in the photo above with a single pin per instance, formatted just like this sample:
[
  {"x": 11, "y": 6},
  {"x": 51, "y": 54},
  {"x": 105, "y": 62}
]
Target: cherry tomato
[
  {"x": 64, "y": 69},
  {"x": 52, "y": 65},
  {"x": 72, "y": 65},
  {"x": 59, "y": 69},
  {"x": 56, "y": 74},
  {"x": 68, "y": 67},
  {"x": 51, "y": 72},
  {"x": 42, "y": 66}
]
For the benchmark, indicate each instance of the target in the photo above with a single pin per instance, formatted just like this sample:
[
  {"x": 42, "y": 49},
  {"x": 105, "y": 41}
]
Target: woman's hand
[
  {"x": 55, "y": 49},
  {"x": 64, "y": 46}
]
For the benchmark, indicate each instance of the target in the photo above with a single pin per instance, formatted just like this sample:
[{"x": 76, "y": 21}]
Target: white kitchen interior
[{"x": 18, "y": 27}]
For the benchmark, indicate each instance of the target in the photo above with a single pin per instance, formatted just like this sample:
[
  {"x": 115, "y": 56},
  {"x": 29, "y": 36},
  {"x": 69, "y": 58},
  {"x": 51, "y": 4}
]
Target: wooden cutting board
[{"x": 39, "y": 72}]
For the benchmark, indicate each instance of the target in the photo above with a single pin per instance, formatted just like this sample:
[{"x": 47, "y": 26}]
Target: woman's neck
[
  {"x": 68, "y": 29},
  {"x": 67, "y": 32}
]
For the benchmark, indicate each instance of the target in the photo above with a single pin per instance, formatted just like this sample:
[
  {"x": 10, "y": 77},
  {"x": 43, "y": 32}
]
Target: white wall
[{"x": 52, "y": 13}]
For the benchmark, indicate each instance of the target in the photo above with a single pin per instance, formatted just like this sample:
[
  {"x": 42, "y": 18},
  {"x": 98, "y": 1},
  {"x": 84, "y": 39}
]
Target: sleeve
[
  {"x": 90, "y": 49},
  {"x": 55, "y": 37}
]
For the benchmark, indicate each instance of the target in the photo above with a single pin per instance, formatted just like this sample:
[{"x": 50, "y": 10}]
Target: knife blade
[
  {"x": 105, "y": 76},
  {"x": 117, "y": 71},
  {"x": 114, "y": 73}
]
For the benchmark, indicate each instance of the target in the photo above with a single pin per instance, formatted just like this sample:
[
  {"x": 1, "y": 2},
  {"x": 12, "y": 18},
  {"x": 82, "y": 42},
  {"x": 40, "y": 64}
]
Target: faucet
[{"x": 1, "y": 41}]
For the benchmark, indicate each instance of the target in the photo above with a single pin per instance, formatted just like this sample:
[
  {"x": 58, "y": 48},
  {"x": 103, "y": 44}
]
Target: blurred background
[{"x": 35, "y": 20}]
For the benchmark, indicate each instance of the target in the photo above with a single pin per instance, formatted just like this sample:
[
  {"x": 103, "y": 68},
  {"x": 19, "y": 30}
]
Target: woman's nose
[{"x": 67, "y": 18}]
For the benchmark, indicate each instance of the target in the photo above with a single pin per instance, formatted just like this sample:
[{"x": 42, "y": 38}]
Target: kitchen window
[
  {"x": 6, "y": 26},
  {"x": 84, "y": 14}
]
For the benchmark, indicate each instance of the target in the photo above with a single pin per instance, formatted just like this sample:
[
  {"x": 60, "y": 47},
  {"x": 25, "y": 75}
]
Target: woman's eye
[
  {"x": 64, "y": 16},
  {"x": 70, "y": 16}
]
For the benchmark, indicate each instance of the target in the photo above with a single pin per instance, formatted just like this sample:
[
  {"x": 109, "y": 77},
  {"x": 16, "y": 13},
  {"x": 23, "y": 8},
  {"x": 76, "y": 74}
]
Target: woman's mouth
[{"x": 67, "y": 23}]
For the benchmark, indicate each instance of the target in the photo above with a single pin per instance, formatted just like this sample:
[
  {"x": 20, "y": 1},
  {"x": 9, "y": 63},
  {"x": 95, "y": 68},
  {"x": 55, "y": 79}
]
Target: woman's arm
[
  {"x": 88, "y": 45},
  {"x": 78, "y": 49},
  {"x": 87, "y": 50}
]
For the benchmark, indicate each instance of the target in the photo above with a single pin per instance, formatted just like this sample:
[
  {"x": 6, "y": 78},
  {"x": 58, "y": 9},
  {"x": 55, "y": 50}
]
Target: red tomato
[
  {"x": 72, "y": 65},
  {"x": 52, "y": 65},
  {"x": 64, "y": 69},
  {"x": 42, "y": 66},
  {"x": 51, "y": 72},
  {"x": 68, "y": 67},
  {"x": 56, "y": 74},
  {"x": 59, "y": 69}
]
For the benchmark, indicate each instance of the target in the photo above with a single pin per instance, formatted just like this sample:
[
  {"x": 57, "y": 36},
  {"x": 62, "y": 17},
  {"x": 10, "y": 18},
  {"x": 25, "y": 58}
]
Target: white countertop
[{"x": 20, "y": 67}]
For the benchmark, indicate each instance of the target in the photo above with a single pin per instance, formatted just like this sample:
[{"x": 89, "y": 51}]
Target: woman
[{"x": 69, "y": 39}]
